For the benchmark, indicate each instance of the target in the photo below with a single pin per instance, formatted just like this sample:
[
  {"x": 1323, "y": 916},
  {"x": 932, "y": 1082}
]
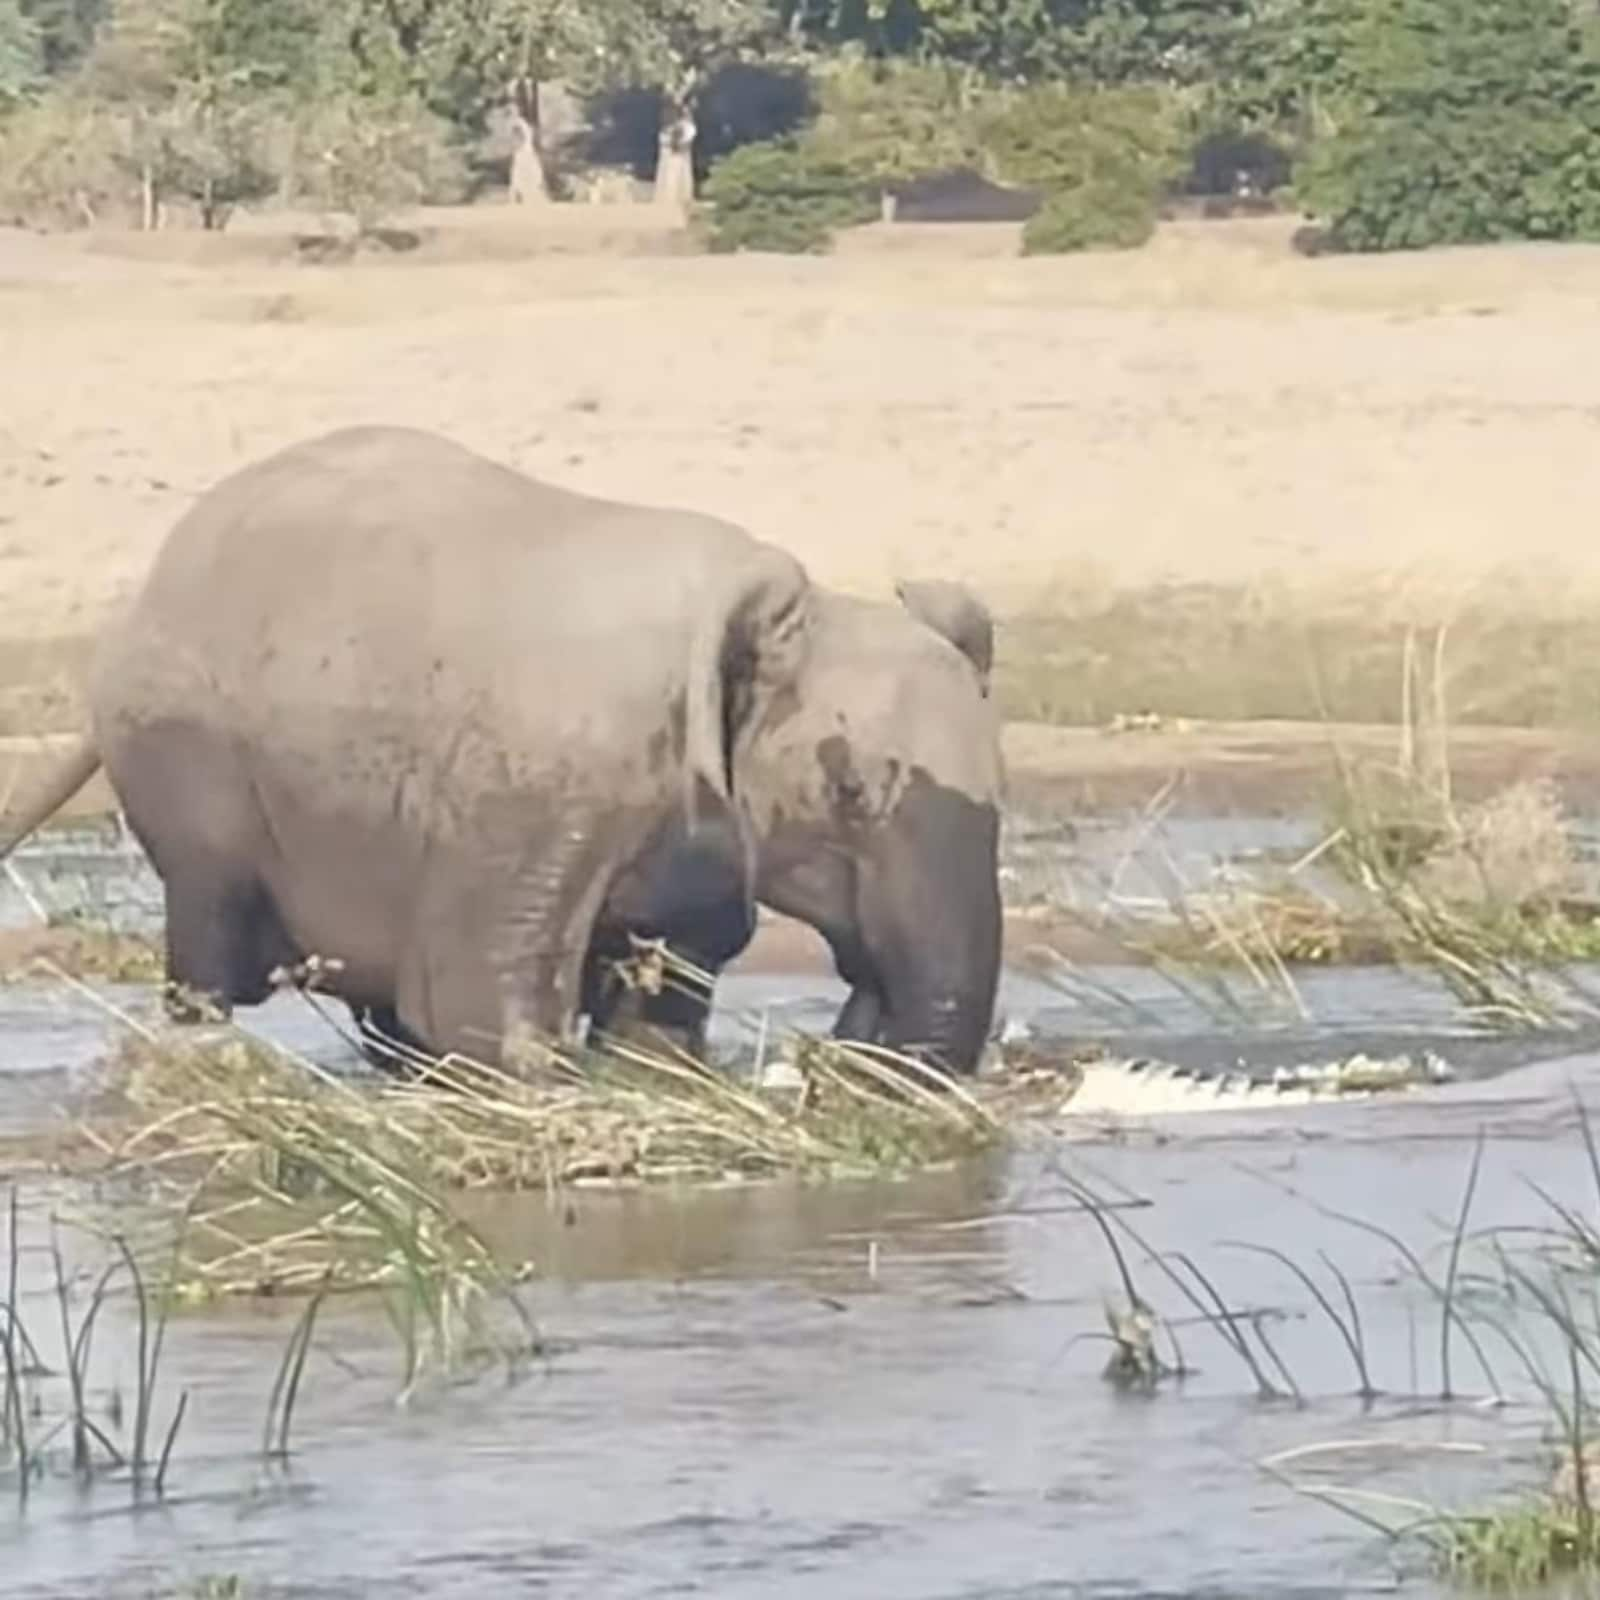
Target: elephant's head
[{"x": 879, "y": 821}]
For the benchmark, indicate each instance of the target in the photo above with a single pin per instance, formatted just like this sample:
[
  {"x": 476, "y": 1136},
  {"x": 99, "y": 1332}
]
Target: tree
[
  {"x": 888, "y": 121},
  {"x": 1103, "y": 157},
  {"x": 372, "y": 154},
  {"x": 1060, "y": 136},
  {"x": 464, "y": 60},
  {"x": 1101, "y": 41},
  {"x": 57, "y": 162},
  {"x": 193, "y": 84},
  {"x": 65, "y": 30},
  {"x": 21, "y": 54},
  {"x": 672, "y": 47},
  {"x": 1459, "y": 121}
]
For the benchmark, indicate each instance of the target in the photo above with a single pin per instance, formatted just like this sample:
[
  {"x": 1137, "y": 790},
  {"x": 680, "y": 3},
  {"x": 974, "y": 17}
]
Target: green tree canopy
[
  {"x": 1457, "y": 121},
  {"x": 1104, "y": 41},
  {"x": 21, "y": 54},
  {"x": 894, "y": 119},
  {"x": 65, "y": 29}
]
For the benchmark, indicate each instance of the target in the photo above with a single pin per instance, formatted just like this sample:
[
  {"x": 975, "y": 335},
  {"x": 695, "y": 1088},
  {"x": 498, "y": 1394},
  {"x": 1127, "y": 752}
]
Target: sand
[{"x": 1405, "y": 436}]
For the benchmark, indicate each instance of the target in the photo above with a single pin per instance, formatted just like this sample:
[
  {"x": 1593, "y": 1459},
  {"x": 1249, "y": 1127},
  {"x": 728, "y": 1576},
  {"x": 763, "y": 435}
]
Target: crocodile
[
  {"x": 1041, "y": 1078},
  {"x": 1144, "y": 1087}
]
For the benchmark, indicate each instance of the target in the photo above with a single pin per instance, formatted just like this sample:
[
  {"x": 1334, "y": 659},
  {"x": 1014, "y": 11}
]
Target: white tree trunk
[
  {"x": 674, "y": 187},
  {"x": 888, "y": 205},
  {"x": 149, "y": 216},
  {"x": 530, "y": 184}
]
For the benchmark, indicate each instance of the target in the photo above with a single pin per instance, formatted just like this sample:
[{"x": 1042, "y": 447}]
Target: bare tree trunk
[
  {"x": 888, "y": 205},
  {"x": 530, "y": 179},
  {"x": 674, "y": 187},
  {"x": 147, "y": 198}
]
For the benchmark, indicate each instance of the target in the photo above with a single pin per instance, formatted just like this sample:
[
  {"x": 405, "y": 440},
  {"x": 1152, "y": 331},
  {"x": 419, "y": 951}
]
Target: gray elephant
[
  {"x": 875, "y": 803},
  {"x": 386, "y": 702}
]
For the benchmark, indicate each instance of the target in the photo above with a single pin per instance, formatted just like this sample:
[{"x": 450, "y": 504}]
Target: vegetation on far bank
[
  {"x": 1401, "y": 124},
  {"x": 1521, "y": 654},
  {"x": 1493, "y": 899}
]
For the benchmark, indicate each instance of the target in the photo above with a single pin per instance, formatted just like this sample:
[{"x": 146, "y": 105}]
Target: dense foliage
[
  {"x": 1459, "y": 121},
  {"x": 1089, "y": 216},
  {"x": 890, "y": 120},
  {"x": 780, "y": 196},
  {"x": 1408, "y": 122}
]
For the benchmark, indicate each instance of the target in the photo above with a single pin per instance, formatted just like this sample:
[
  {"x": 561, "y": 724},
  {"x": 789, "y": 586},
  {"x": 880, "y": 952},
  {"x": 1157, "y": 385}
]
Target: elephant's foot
[
  {"x": 861, "y": 1021},
  {"x": 190, "y": 1008}
]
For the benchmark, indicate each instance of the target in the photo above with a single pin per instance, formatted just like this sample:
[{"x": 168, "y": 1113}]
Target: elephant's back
[
  {"x": 387, "y": 587},
  {"x": 402, "y": 526}
]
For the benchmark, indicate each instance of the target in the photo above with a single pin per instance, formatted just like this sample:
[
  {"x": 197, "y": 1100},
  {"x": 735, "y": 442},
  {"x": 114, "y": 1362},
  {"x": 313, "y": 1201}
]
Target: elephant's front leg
[
  {"x": 553, "y": 905},
  {"x": 494, "y": 964},
  {"x": 650, "y": 995}
]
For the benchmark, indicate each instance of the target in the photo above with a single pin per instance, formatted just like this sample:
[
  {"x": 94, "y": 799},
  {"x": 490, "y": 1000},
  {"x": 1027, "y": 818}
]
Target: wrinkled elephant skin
[
  {"x": 876, "y": 809},
  {"x": 385, "y": 701}
]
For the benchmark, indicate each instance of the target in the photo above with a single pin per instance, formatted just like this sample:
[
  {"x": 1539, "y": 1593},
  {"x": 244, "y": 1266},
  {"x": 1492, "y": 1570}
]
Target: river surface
[{"x": 885, "y": 1390}]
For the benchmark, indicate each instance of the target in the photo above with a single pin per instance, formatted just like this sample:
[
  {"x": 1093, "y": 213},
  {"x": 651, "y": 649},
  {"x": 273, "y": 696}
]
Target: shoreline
[
  {"x": 1055, "y": 773},
  {"x": 1056, "y": 776}
]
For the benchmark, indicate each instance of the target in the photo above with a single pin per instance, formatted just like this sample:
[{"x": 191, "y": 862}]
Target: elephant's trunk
[{"x": 933, "y": 922}]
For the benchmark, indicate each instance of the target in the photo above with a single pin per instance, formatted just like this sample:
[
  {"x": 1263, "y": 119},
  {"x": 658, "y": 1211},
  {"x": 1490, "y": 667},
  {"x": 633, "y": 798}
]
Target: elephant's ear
[
  {"x": 750, "y": 644},
  {"x": 955, "y": 612}
]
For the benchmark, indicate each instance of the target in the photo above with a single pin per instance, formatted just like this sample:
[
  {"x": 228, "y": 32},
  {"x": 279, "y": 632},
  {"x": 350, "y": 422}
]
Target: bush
[
  {"x": 1058, "y": 136},
  {"x": 1104, "y": 158},
  {"x": 59, "y": 163},
  {"x": 1090, "y": 216},
  {"x": 211, "y": 154},
  {"x": 1468, "y": 121},
  {"x": 368, "y": 156},
  {"x": 1475, "y": 178},
  {"x": 779, "y": 196},
  {"x": 888, "y": 121},
  {"x": 21, "y": 56}
]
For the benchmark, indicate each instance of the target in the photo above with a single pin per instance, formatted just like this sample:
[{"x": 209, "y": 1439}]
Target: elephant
[
  {"x": 385, "y": 702},
  {"x": 953, "y": 610},
  {"x": 875, "y": 806}
]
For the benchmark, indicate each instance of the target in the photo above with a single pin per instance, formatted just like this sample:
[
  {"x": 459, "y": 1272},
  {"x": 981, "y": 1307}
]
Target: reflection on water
[{"x": 893, "y": 1389}]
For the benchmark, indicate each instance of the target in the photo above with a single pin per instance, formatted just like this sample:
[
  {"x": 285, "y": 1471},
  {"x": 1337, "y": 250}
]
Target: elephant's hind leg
[
  {"x": 224, "y": 938},
  {"x": 189, "y": 800}
]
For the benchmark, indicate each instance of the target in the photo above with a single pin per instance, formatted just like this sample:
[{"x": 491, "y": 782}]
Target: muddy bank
[{"x": 1269, "y": 768}]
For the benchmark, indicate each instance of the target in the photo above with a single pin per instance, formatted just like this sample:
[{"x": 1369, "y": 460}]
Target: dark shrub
[{"x": 776, "y": 196}]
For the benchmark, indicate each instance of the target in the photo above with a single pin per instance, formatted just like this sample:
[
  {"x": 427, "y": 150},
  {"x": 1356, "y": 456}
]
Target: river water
[{"x": 888, "y": 1390}]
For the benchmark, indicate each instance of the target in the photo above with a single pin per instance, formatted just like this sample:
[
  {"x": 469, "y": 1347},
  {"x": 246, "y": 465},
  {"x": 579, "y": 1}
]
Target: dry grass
[
  {"x": 1359, "y": 429},
  {"x": 1488, "y": 897},
  {"x": 1522, "y": 655},
  {"x": 1491, "y": 896},
  {"x": 86, "y": 950}
]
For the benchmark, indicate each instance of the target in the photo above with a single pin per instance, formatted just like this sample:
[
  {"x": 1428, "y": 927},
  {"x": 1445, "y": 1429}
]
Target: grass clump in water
[
  {"x": 294, "y": 1177},
  {"x": 1524, "y": 1547},
  {"x": 1490, "y": 898},
  {"x": 1487, "y": 897},
  {"x": 88, "y": 950}
]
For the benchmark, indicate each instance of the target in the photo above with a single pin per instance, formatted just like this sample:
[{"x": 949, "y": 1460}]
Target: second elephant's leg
[
  {"x": 861, "y": 1019},
  {"x": 386, "y": 1042}
]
